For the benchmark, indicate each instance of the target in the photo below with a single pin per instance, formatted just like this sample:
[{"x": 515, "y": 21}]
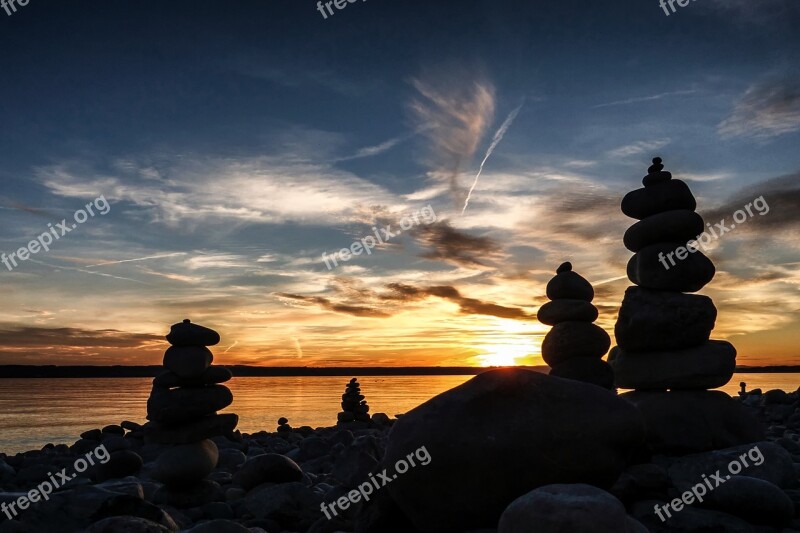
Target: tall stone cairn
[
  {"x": 182, "y": 413},
  {"x": 575, "y": 346},
  {"x": 663, "y": 332},
  {"x": 354, "y": 406}
]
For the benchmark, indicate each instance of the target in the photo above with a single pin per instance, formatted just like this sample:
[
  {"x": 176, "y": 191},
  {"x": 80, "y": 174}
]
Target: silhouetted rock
[
  {"x": 188, "y": 361},
  {"x": 707, "y": 366},
  {"x": 200, "y": 429},
  {"x": 212, "y": 375},
  {"x": 657, "y": 198},
  {"x": 680, "y": 422},
  {"x": 652, "y": 320},
  {"x": 500, "y": 435},
  {"x": 267, "y": 468},
  {"x": 182, "y": 404},
  {"x": 647, "y": 268},
  {"x": 680, "y": 225},
  {"x": 574, "y": 339},
  {"x": 566, "y": 310},
  {"x": 586, "y": 369},
  {"x": 560, "y": 508},
  {"x": 184, "y": 464},
  {"x": 569, "y": 285},
  {"x": 187, "y": 334}
]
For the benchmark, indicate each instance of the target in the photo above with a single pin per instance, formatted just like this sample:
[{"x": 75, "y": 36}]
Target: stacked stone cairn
[
  {"x": 354, "y": 406},
  {"x": 182, "y": 413},
  {"x": 663, "y": 330},
  {"x": 575, "y": 346}
]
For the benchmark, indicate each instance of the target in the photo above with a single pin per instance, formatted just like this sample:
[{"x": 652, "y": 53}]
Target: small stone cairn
[{"x": 354, "y": 406}]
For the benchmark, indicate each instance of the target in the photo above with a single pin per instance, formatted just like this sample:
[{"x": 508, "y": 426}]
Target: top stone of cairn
[
  {"x": 569, "y": 285},
  {"x": 187, "y": 334}
]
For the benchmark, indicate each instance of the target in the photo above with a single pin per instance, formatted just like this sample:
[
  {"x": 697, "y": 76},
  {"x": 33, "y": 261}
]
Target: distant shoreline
[{"x": 87, "y": 371}]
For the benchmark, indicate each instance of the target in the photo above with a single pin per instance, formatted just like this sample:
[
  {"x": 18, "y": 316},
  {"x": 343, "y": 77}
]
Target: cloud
[
  {"x": 456, "y": 115},
  {"x": 641, "y": 147},
  {"x": 450, "y": 244},
  {"x": 767, "y": 109},
  {"x": 468, "y": 306},
  {"x": 325, "y": 303}
]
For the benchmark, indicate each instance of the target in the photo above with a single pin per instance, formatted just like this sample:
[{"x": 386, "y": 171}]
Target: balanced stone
[
  {"x": 657, "y": 165},
  {"x": 659, "y": 320},
  {"x": 566, "y": 310},
  {"x": 656, "y": 177},
  {"x": 188, "y": 361},
  {"x": 690, "y": 272},
  {"x": 212, "y": 375},
  {"x": 678, "y": 225},
  {"x": 665, "y": 196},
  {"x": 185, "y": 464},
  {"x": 569, "y": 285},
  {"x": 187, "y": 334},
  {"x": 185, "y": 404},
  {"x": 574, "y": 339},
  {"x": 586, "y": 369},
  {"x": 203, "y": 428},
  {"x": 707, "y": 366}
]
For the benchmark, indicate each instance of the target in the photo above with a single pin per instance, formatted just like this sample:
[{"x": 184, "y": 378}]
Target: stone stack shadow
[{"x": 663, "y": 332}]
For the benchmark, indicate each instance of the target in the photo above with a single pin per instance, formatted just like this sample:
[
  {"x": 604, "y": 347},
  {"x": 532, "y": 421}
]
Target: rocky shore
[{"x": 275, "y": 481}]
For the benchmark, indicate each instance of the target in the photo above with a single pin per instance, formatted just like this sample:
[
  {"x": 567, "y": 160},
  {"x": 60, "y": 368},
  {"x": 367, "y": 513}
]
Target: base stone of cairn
[
  {"x": 354, "y": 406},
  {"x": 575, "y": 346},
  {"x": 664, "y": 349},
  {"x": 182, "y": 413}
]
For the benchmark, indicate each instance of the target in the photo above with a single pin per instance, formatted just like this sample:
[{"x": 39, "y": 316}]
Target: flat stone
[
  {"x": 586, "y": 369},
  {"x": 184, "y": 464},
  {"x": 651, "y": 320},
  {"x": 574, "y": 339},
  {"x": 680, "y": 422},
  {"x": 212, "y": 376},
  {"x": 187, "y": 334},
  {"x": 188, "y": 361},
  {"x": 708, "y": 366},
  {"x": 506, "y": 418},
  {"x": 646, "y": 269},
  {"x": 186, "y": 405},
  {"x": 680, "y": 225},
  {"x": 665, "y": 196},
  {"x": 566, "y": 310},
  {"x": 560, "y": 508},
  {"x": 203, "y": 428},
  {"x": 569, "y": 285}
]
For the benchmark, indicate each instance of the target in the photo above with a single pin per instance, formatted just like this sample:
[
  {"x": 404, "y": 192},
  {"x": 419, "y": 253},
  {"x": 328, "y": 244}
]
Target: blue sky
[{"x": 236, "y": 142}]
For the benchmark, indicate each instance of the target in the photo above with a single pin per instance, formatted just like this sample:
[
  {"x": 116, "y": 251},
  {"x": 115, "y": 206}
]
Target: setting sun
[{"x": 503, "y": 355}]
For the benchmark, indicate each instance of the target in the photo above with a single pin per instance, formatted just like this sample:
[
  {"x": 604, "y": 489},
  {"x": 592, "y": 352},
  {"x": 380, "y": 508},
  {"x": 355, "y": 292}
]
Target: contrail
[
  {"x": 136, "y": 259},
  {"x": 231, "y": 346},
  {"x": 495, "y": 141},
  {"x": 299, "y": 349}
]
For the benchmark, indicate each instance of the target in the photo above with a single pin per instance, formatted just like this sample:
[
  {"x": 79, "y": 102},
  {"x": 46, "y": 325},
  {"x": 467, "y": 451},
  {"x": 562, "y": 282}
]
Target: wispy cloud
[
  {"x": 638, "y": 99},
  {"x": 457, "y": 114},
  {"x": 767, "y": 109},
  {"x": 158, "y": 256},
  {"x": 640, "y": 147}
]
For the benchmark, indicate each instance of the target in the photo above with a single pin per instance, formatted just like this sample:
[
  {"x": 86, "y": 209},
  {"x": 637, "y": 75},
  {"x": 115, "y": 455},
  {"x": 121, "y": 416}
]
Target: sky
[{"x": 225, "y": 147}]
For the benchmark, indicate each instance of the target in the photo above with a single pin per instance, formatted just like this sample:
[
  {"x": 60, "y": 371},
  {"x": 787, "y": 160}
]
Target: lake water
[{"x": 34, "y": 412}]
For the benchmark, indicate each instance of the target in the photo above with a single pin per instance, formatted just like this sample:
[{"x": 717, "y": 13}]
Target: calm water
[{"x": 34, "y": 412}]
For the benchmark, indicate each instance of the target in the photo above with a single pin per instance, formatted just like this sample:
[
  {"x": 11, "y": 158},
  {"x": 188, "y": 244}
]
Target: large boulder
[
  {"x": 501, "y": 434},
  {"x": 185, "y": 464},
  {"x": 689, "y": 421},
  {"x": 754, "y": 500},
  {"x": 267, "y": 468},
  {"x": 652, "y": 320},
  {"x": 559, "y": 508},
  {"x": 707, "y": 366}
]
